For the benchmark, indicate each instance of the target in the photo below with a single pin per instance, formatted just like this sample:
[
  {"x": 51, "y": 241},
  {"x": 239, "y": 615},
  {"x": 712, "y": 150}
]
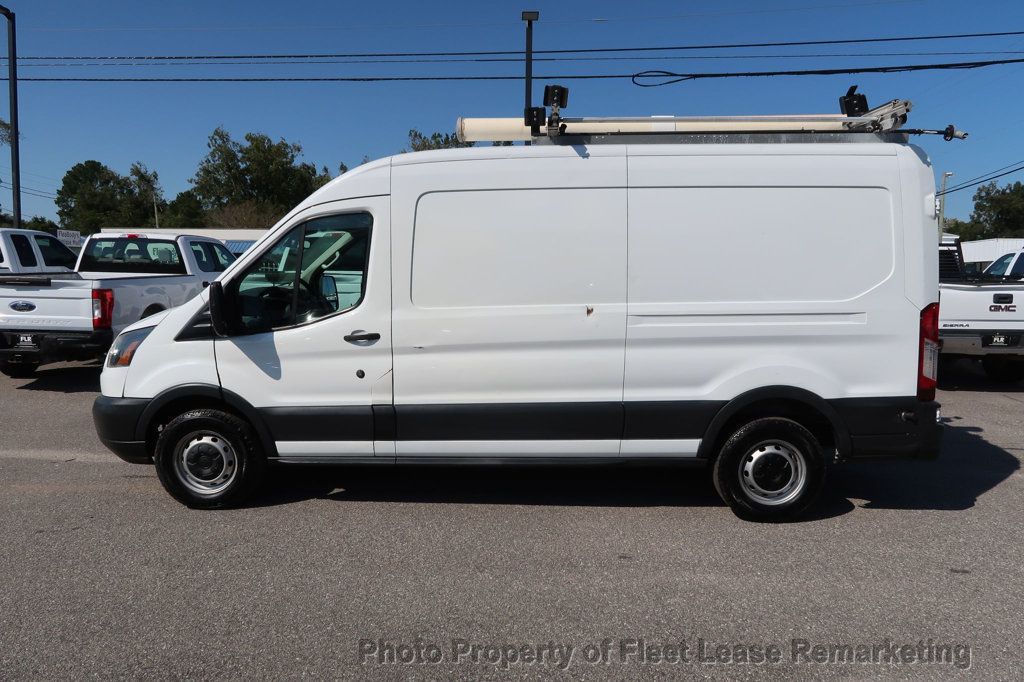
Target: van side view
[{"x": 765, "y": 309}]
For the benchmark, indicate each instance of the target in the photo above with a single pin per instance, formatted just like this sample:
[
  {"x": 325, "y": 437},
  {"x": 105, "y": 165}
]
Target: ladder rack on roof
[{"x": 872, "y": 124}]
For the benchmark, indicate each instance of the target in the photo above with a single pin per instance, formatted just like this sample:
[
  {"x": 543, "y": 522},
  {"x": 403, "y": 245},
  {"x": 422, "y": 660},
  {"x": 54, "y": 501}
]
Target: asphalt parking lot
[{"x": 104, "y": 574}]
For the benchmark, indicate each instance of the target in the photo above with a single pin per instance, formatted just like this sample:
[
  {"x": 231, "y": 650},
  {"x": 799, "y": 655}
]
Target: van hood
[{"x": 151, "y": 321}]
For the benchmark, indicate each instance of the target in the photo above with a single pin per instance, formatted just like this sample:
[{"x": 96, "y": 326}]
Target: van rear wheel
[
  {"x": 208, "y": 458},
  {"x": 770, "y": 469}
]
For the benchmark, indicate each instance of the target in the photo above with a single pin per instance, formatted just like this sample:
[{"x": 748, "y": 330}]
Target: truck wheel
[
  {"x": 209, "y": 458},
  {"x": 1003, "y": 369},
  {"x": 770, "y": 469},
  {"x": 19, "y": 370}
]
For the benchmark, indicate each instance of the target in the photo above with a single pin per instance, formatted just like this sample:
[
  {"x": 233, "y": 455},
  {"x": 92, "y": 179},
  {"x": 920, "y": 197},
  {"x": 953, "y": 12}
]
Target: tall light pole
[
  {"x": 529, "y": 16},
  {"x": 12, "y": 84},
  {"x": 532, "y": 116},
  {"x": 942, "y": 203}
]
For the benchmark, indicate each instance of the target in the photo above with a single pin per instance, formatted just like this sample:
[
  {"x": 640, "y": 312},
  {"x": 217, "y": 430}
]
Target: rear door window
[
  {"x": 214, "y": 257},
  {"x": 998, "y": 268},
  {"x": 1018, "y": 268},
  {"x": 223, "y": 257},
  {"x": 132, "y": 254},
  {"x": 24, "y": 249},
  {"x": 204, "y": 259},
  {"x": 54, "y": 253}
]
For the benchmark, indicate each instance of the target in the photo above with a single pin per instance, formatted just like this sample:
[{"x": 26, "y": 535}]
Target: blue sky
[{"x": 165, "y": 125}]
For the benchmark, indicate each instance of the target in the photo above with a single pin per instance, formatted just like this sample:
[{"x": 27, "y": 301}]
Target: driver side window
[{"x": 317, "y": 269}]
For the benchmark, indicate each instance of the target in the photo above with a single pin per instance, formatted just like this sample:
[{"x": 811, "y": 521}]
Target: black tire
[
  {"x": 151, "y": 310},
  {"x": 791, "y": 470},
  {"x": 19, "y": 370},
  {"x": 1003, "y": 369},
  {"x": 208, "y": 459}
]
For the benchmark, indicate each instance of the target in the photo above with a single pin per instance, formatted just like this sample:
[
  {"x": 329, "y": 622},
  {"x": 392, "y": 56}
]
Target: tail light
[
  {"x": 928, "y": 355},
  {"x": 102, "y": 308}
]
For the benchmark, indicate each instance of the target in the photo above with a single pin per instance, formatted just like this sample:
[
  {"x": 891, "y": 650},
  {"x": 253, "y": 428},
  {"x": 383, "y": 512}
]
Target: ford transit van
[{"x": 765, "y": 309}]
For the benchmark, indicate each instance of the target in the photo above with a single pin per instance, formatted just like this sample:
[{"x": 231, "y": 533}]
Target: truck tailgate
[
  {"x": 45, "y": 304},
  {"x": 981, "y": 306}
]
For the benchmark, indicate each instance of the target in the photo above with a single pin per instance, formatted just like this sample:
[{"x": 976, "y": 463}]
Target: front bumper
[
  {"x": 117, "y": 421},
  {"x": 904, "y": 428},
  {"x": 53, "y": 346},
  {"x": 977, "y": 342}
]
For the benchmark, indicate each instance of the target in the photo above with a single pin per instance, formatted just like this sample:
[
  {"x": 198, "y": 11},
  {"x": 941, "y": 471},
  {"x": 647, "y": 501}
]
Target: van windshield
[{"x": 132, "y": 254}]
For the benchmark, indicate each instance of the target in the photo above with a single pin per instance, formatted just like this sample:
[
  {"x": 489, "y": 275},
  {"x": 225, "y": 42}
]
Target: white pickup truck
[
  {"x": 982, "y": 315},
  {"x": 119, "y": 278},
  {"x": 31, "y": 251}
]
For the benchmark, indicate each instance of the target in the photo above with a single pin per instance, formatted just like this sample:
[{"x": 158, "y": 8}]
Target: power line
[
  {"x": 983, "y": 175},
  {"x": 486, "y": 53},
  {"x": 31, "y": 190},
  {"x": 25, "y": 192},
  {"x": 517, "y": 60},
  {"x": 672, "y": 77},
  {"x": 989, "y": 178},
  {"x": 55, "y": 181}
]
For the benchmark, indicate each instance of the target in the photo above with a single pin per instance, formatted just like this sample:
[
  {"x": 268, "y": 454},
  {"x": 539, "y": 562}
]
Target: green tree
[
  {"x": 5, "y": 133},
  {"x": 999, "y": 211},
  {"x": 92, "y": 196},
  {"x": 185, "y": 210},
  {"x": 146, "y": 185},
  {"x": 33, "y": 223},
  {"x": 263, "y": 176},
  {"x": 418, "y": 142},
  {"x": 967, "y": 230}
]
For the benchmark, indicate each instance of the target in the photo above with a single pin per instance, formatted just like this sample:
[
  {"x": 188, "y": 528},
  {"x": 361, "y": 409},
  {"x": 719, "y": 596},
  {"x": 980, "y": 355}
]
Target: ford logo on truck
[{"x": 22, "y": 306}]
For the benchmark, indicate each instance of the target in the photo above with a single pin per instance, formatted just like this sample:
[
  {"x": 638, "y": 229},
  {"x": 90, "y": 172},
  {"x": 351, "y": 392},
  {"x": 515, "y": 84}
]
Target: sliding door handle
[{"x": 359, "y": 335}]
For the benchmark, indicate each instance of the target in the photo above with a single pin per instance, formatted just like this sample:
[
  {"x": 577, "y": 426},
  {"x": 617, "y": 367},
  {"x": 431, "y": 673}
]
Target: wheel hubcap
[
  {"x": 773, "y": 473},
  {"x": 206, "y": 463}
]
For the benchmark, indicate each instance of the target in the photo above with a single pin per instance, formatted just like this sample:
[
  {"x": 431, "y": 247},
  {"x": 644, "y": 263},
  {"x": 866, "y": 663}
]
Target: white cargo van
[{"x": 765, "y": 307}]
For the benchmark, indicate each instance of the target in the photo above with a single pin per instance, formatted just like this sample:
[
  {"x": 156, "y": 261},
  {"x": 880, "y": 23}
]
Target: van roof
[{"x": 613, "y": 150}]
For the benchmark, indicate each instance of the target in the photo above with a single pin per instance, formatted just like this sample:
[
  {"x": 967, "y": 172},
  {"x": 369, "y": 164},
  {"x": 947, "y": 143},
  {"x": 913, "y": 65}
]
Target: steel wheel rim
[
  {"x": 205, "y": 463},
  {"x": 773, "y": 473}
]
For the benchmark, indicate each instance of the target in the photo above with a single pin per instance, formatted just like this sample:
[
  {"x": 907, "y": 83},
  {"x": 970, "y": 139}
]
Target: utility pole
[
  {"x": 942, "y": 203},
  {"x": 529, "y": 114},
  {"x": 12, "y": 83}
]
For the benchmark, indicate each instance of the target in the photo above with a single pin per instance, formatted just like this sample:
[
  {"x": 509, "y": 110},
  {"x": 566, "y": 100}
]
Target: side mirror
[{"x": 218, "y": 317}]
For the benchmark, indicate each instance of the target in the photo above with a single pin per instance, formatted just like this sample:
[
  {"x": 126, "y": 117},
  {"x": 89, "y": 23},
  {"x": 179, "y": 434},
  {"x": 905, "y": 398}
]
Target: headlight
[{"x": 125, "y": 345}]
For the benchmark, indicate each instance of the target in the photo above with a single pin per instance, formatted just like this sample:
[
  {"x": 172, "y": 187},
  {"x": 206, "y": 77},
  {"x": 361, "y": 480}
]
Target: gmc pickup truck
[
  {"x": 119, "y": 278},
  {"x": 31, "y": 251},
  {"x": 981, "y": 315}
]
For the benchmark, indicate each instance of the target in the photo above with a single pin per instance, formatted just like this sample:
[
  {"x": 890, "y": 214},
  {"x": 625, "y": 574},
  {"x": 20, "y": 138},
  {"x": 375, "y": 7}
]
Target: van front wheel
[
  {"x": 770, "y": 469},
  {"x": 209, "y": 458}
]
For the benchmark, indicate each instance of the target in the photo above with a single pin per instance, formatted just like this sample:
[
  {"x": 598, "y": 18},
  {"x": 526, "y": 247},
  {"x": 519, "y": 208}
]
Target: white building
[{"x": 987, "y": 250}]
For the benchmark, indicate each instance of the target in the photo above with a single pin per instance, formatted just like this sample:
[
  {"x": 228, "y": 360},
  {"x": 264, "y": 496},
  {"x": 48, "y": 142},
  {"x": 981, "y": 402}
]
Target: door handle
[{"x": 359, "y": 335}]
